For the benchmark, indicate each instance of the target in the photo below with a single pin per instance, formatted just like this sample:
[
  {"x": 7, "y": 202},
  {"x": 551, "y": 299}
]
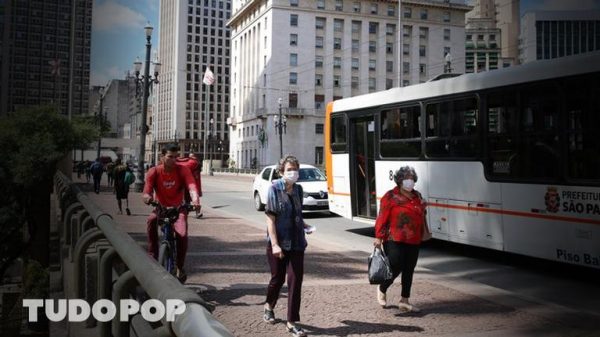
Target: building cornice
[
  {"x": 242, "y": 12},
  {"x": 438, "y": 4}
]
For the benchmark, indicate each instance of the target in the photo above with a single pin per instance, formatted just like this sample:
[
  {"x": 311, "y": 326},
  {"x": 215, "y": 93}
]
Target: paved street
[{"x": 227, "y": 265}]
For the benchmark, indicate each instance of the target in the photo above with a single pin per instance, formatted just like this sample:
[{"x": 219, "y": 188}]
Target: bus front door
[{"x": 364, "y": 198}]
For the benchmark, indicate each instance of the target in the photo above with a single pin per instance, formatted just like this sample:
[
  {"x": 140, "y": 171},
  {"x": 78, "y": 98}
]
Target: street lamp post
[
  {"x": 146, "y": 81},
  {"x": 99, "y": 116},
  {"x": 210, "y": 143},
  {"x": 280, "y": 126}
]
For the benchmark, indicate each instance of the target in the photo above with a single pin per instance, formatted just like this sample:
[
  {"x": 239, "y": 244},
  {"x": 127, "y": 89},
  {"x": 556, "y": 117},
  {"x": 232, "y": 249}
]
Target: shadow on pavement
[{"x": 357, "y": 328}]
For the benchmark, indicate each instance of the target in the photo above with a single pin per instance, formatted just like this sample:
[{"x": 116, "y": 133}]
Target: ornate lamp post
[
  {"x": 99, "y": 116},
  {"x": 280, "y": 127},
  {"x": 145, "y": 81}
]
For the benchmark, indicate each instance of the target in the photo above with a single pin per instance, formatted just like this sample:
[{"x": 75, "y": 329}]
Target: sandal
[
  {"x": 296, "y": 331},
  {"x": 269, "y": 316}
]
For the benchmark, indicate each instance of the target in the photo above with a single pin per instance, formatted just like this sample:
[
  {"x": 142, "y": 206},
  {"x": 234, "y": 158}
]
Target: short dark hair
[
  {"x": 287, "y": 159},
  {"x": 171, "y": 147},
  {"x": 403, "y": 172}
]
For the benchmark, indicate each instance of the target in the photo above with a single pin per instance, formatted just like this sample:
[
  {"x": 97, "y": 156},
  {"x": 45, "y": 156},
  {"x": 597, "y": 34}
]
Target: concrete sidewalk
[{"x": 226, "y": 263}]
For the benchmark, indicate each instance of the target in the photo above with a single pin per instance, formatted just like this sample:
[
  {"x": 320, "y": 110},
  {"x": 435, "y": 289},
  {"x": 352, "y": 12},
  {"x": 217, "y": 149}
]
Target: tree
[{"x": 32, "y": 142}]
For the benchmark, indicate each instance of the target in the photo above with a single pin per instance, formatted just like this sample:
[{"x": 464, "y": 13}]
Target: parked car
[{"x": 311, "y": 179}]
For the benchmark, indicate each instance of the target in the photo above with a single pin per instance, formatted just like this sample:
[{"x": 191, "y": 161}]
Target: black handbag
[{"x": 379, "y": 267}]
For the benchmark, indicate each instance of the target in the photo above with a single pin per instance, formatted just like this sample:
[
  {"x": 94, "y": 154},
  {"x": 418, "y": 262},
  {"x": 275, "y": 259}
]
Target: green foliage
[
  {"x": 86, "y": 131},
  {"x": 33, "y": 140}
]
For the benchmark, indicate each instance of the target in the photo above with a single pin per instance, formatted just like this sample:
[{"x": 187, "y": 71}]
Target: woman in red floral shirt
[{"x": 400, "y": 228}]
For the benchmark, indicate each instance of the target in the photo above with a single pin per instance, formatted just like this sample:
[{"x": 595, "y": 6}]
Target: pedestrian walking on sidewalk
[
  {"x": 287, "y": 242},
  {"x": 97, "y": 169},
  {"x": 401, "y": 227},
  {"x": 121, "y": 173},
  {"x": 110, "y": 172}
]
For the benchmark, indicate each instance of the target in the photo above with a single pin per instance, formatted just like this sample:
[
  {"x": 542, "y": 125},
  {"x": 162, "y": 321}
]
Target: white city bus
[{"x": 507, "y": 159}]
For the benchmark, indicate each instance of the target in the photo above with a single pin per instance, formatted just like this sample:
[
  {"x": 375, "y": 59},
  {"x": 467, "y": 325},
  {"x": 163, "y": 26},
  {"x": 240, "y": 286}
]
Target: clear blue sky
[
  {"x": 118, "y": 36},
  {"x": 118, "y": 31}
]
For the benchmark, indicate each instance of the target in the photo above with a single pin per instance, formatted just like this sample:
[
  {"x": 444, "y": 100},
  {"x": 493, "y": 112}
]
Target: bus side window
[
  {"x": 452, "y": 129},
  {"x": 338, "y": 133},
  {"x": 501, "y": 131},
  {"x": 538, "y": 148},
  {"x": 583, "y": 118}
]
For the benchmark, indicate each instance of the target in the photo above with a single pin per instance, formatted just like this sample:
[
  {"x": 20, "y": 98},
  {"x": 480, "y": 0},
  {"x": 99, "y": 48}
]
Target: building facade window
[
  {"x": 372, "y": 46},
  {"x": 355, "y": 46},
  {"x": 446, "y": 16},
  {"x": 356, "y": 7},
  {"x": 389, "y": 48},
  {"x": 293, "y": 100},
  {"x": 336, "y": 81},
  {"x": 319, "y": 128},
  {"x": 356, "y": 26},
  {"x": 373, "y": 26},
  {"x": 339, "y": 5},
  {"x": 354, "y": 82},
  {"x": 294, "y": 20},
  {"x": 338, "y": 25},
  {"x": 446, "y": 34},
  {"x": 320, "y": 4},
  {"x": 391, "y": 10},
  {"x": 374, "y": 8},
  {"x": 355, "y": 63},
  {"x": 372, "y": 84},
  {"x": 423, "y": 32},
  {"x": 318, "y": 80},
  {"x": 390, "y": 29},
  {"x": 372, "y": 64},
  {"x": 423, "y": 14},
  {"x": 389, "y": 66},
  {"x": 337, "y": 43},
  {"x": 319, "y": 42},
  {"x": 422, "y": 69},
  {"x": 320, "y": 23},
  {"x": 337, "y": 62},
  {"x": 422, "y": 51},
  {"x": 407, "y": 12},
  {"x": 293, "y": 78},
  {"x": 406, "y": 67},
  {"x": 293, "y": 39},
  {"x": 406, "y": 49},
  {"x": 293, "y": 59},
  {"x": 318, "y": 61},
  {"x": 294, "y": 3}
]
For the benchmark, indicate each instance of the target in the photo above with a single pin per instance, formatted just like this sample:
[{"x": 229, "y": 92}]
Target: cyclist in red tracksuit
[{"x": 167, "y": 183}]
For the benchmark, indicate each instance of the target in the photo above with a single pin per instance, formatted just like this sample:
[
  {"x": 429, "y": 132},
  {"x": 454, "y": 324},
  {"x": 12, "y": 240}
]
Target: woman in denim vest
[{"x": 285, "y": 251}]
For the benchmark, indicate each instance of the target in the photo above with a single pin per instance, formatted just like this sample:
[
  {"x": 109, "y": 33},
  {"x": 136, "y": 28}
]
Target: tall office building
[
  {"x": 193, "y": 36},
  {"x": 483, "y": 38},
  {"x": 508, "y": 21},
  {"x": 308, "y": 53},
  {"x": 46, "y": 54},
  {"x": 552, "y": 34}
]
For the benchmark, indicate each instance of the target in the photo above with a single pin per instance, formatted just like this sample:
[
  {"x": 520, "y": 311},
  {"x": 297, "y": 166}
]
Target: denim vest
[{"x": 290, "y": 228}]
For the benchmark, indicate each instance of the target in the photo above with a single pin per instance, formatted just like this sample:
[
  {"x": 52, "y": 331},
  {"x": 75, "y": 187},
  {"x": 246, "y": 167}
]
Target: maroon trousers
[
  {"x": 180, "y": 227},
  {"x": 292, "y": 264}
]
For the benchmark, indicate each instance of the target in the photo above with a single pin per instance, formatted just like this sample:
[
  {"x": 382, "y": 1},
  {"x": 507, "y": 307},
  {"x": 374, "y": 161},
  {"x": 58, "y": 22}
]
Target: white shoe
[
  {"x": 406, "y": 307},
  {"x": 381, "y": 298}
]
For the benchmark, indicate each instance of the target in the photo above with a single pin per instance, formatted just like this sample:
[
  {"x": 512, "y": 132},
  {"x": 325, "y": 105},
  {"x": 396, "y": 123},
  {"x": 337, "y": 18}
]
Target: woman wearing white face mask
[
  {"x": 287, "y": 242},
  {"x": 401, "y": 227}
]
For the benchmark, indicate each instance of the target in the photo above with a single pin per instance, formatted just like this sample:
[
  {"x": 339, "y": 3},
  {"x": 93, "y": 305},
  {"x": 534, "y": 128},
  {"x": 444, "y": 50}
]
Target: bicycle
[{"x": 167, "y": 251}]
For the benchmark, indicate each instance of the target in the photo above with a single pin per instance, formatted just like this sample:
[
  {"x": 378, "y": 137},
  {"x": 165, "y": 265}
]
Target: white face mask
[
  {"x": 290, "y": 176},
  {"x": 408, "y": 184}
]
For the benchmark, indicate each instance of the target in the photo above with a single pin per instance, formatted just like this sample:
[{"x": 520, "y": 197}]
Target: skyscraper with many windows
[
  {"x": 193, "y": 36},
  {"x": 45, "y": 54}
]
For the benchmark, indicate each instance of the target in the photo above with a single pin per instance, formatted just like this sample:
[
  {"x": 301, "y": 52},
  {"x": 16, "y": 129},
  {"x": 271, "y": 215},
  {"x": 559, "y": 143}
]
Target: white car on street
[{"x": 311, "y": 179}]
